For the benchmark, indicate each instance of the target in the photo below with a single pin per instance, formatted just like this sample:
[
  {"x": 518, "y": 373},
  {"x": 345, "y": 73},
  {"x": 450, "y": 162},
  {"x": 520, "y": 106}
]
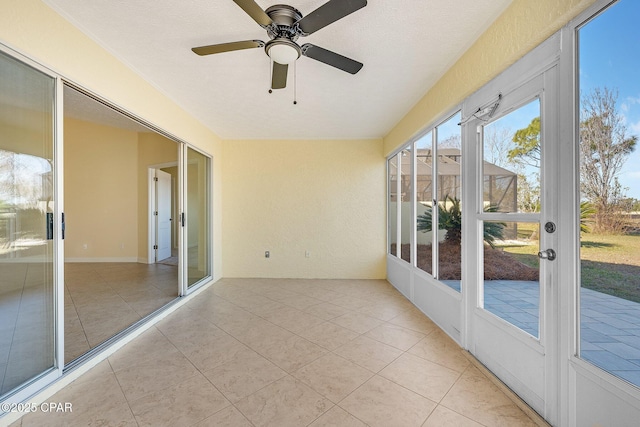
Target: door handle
[{"x": 549, "y": 254}]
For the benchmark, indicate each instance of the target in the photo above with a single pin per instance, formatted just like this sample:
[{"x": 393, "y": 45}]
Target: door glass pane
[
  {"x": 113, "y": 276},
  {"x": 198, "y": 255},
  {"x": 424, "y": 202},
  {"x": 610, "y": 191},
  {"x": 27, "y": 318},
  {"x": 511, "y": 273},
  {"x": 449, "y": 193},
  {"x": 511, "y": 167},
  {"x": 393, "y": 205}
]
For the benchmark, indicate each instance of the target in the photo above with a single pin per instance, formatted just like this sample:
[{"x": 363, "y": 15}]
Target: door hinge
[
  {"x": 155, "y": 247},
  {"x": 155, "y": 178},
  {"x": 182, "y": 218},
  {"x": 155, "y": 213}
]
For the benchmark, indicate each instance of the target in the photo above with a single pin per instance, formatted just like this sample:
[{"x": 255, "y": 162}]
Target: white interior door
[
  {"x": 511, "y": 239},
  {"x": 163, "y": 217}
]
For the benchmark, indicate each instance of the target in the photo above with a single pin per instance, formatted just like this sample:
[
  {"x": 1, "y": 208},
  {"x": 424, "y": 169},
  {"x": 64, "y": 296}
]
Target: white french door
[{"x": 510, "y": 238}]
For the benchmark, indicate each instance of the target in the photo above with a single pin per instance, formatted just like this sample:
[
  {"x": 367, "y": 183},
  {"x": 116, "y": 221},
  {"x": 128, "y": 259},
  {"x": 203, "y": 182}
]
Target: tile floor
[
  {"x": 258, "y": 352},
  {"x": 102, "y": 299}
]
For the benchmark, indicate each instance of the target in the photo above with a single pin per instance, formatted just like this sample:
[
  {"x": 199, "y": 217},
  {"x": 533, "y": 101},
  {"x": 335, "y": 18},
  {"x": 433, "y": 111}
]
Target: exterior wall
[
  {"x": 35, "y": 30},
  {"x": 523, "y": 25},
  {"x": 288, "y": 197}
]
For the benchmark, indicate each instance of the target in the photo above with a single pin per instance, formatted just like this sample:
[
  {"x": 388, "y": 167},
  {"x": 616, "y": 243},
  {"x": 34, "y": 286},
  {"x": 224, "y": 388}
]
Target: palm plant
[{"x": 450, "y": 219}]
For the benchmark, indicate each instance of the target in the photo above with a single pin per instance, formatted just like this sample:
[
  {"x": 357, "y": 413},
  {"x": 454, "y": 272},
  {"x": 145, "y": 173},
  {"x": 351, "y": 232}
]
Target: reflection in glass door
[
  {"x": 197, "y": 222},
  {"x": 27, "y": 308}
]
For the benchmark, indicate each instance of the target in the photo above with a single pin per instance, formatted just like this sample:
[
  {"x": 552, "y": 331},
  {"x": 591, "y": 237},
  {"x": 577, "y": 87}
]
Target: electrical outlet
[
  {"x": 85, "y": 246},
  {"x": 267, "y": 254}
]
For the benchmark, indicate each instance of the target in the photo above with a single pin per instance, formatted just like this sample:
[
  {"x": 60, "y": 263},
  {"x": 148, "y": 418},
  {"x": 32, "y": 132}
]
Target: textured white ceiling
[{"x": 405, "y": 45}]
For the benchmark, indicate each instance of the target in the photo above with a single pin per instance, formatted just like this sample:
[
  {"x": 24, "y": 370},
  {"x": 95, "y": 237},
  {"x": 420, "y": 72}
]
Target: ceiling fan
[{"x": 284, "y": 25}]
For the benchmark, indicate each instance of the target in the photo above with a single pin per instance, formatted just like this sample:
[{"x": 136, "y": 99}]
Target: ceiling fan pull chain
[
  {"x": 295, "y": 82},
  {"x": 270, "y": 74}
]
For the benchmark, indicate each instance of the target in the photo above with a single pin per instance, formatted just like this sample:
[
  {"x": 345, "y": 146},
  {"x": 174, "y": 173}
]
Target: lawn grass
[{"x": 609, "y": 263}]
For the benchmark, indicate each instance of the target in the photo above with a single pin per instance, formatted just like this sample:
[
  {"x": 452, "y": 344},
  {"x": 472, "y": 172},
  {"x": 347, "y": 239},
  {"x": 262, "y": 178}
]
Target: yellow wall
[
  {"x": 287, "y": 197},
  {"x": 34, "y": 29},
  {"x": 101, "y": 195},
  {"x": 523, "y": 25}
]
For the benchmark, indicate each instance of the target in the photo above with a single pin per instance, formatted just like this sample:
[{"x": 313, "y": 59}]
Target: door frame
[
  {"x": 541, "y": 63},
  {"x": 151, "y": 207}
]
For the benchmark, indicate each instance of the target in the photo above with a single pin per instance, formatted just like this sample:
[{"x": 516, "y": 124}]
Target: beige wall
[
  {"x": 524, "y": 25},
  {"x": 35, "y": 30},
  {"x": 287, "y": 197},
  {"x": 101, "y": 192}
]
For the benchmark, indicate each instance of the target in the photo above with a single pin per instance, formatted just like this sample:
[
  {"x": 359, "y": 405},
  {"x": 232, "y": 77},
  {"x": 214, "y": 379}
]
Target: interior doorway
[{"x": 163, "y": 229}]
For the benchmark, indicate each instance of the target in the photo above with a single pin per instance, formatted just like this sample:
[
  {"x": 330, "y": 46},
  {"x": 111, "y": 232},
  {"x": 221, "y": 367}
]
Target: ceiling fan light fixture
[{"x": 283, "y": 51}]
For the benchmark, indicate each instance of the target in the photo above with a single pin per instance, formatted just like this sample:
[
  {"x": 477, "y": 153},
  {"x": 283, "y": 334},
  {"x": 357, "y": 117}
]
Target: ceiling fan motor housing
[{"x": 284, "y": 19}]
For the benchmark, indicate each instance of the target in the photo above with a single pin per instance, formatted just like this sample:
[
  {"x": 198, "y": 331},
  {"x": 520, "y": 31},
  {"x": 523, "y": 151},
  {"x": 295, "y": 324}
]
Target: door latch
[{"x": 549, "y": 254}]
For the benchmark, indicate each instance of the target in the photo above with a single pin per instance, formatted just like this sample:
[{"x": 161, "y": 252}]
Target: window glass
[
  {"x": 424, "y": 202},
  {"x": 449, "y": 197},
  {"x": 610, "y": 191}
]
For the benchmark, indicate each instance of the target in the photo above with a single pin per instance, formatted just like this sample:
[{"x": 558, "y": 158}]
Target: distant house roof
[{"x": 448, "y": 164}]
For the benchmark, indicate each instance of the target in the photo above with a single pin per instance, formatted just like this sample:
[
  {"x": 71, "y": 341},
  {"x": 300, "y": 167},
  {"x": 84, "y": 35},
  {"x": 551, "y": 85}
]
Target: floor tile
[
  {"x": 329, "y": 335},
  {"x": 96, "y": 402},
  {"x": 286, "y": 402},
  {"x": 184, "y": 404},
  {"x": 395, "y": 336},
  {"x": 228, "y": 417},
  {"x": 477, "y": 398},
  {"x": 437, "y": 347},
  {"x": 377, "y": 402},
  {"x": 428, "y": 379},
  {"x": 244, "y": 375},
  {"x": 293, "y": 353},
  {"x": 444, "y": 417},
  {"x": 370, "y": 354},
  {"x": 357, "y": 322},
  {"x": 337, "y": 417},
  {"x": 158, "y": 374},
  {"x": 332, "y": 376}
]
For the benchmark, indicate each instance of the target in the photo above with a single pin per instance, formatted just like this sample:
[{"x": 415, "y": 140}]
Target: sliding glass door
[
  {"x": 196, "y": 222},
  {"x": 27, "y": 212}
]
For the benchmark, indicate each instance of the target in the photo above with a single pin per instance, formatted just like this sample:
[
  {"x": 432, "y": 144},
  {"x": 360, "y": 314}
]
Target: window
[{"x": 610, "y": 191}]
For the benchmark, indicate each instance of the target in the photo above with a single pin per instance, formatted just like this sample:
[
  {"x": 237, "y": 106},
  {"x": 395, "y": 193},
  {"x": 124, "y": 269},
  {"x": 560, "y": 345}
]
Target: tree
[
  {"x": 527, "y": 141},
  {"x": 604, "y": 148},
  {"x": 450, "y": 219}
]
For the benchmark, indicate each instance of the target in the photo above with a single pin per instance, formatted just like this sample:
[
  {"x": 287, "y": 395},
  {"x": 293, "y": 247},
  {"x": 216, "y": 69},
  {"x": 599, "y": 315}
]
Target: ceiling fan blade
[
  {"x": 279, "y": 76},
  {"x": 253, "y": 10},
  {"x": 328, "y": 13},
  {"x": 227, "y": 47},
  {"x": 331, "y": 58}
]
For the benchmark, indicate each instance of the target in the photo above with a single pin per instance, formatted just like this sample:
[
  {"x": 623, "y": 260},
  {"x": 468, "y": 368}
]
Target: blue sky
[{"x": 610, "y": 56}]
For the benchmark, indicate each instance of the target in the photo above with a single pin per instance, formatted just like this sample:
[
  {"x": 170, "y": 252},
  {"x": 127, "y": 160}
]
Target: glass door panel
[
  {"x": 27, "y": 313},
  {"x": 197, "y": 217},
  {"x": 511, "y": 167},
  {"x": 511, "y": 273}
]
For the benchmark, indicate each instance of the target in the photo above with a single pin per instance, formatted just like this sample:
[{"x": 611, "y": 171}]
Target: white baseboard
[{"x": 102, "y": 259}]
